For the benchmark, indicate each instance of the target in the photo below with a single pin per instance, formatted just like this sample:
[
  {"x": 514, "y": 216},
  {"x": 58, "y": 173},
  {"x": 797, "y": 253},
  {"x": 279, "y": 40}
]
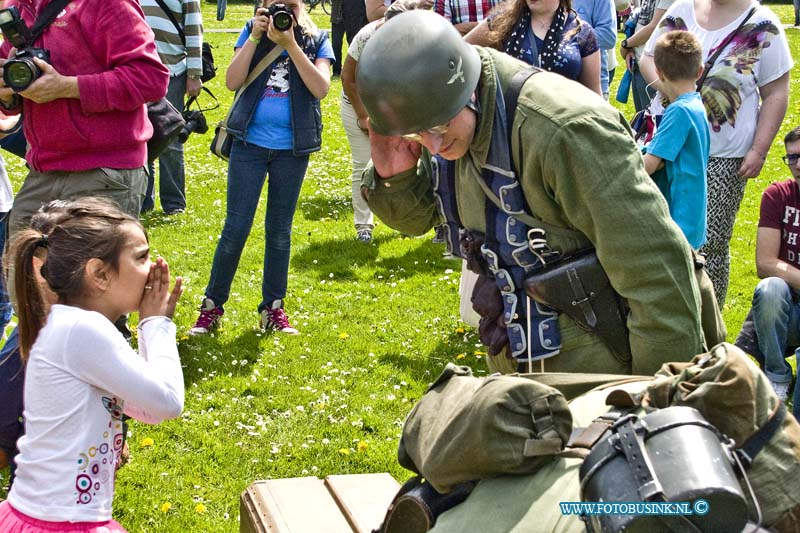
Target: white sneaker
[{"x": 781, "y": 390}]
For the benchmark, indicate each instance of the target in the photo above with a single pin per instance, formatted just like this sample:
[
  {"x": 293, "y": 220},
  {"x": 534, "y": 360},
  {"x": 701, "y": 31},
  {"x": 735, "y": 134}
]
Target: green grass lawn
[{"x": 378, "y": 323}]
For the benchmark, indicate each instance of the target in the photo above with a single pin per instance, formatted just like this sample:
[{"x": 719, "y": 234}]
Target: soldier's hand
[{"x": 393, "y": 155}]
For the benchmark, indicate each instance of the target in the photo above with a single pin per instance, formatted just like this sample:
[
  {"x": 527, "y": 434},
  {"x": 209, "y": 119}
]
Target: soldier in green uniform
[{"x": 579, "y": 181}]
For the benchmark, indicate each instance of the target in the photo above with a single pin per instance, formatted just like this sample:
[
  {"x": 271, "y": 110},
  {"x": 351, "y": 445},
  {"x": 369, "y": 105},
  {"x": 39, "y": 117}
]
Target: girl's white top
[{"x": 80, "y": 378}]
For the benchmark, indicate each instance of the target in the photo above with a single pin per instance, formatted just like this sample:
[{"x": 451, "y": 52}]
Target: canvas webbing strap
[
  {"x": 623, "y": 401},
  {"x": 547, "y": 441},
  {"x": 756, "y": 442}
]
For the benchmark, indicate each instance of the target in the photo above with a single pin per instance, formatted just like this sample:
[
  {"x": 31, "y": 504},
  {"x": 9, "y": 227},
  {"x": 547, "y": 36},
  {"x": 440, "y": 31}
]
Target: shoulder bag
[
  {"x": 209, "y": 69},
  {"x": 222, "y": 141}
]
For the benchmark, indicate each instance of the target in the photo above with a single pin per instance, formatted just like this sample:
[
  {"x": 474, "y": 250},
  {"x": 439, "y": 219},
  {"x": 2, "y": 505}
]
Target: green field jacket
[{"x": 580, "y": 170}]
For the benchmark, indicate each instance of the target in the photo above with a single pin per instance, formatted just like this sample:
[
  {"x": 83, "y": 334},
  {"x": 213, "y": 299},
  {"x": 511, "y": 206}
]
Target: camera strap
[
  {"x": 48, "y": 15},
  {"x": 193, "y": 99},
  {"x": 169, "y": 14},
  {"x": 260, "y": 67}
]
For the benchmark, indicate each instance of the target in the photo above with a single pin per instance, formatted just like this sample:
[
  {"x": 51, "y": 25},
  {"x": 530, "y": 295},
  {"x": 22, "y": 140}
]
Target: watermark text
[{"x": 698, "y": 507}]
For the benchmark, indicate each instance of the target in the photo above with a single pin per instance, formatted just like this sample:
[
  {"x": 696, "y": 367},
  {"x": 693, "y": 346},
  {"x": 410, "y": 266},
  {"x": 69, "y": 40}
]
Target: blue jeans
[
  {"x": 171, "y": 173},
  {"x": 221, "y": 5},
  {"x": 248, "y": 167},
  {"x": 642, "y": 94},
  {"x": 6, "y": 309},
  {"x": 776, "y": 317}
]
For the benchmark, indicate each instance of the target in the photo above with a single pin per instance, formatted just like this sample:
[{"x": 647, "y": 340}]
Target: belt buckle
[{"x": 537, "y": 244}]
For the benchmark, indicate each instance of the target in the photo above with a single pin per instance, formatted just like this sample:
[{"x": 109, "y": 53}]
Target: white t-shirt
[
  {"x": 758, "y": 55},
  {"x": 80, "y": 378},
  {"x": 355, "y": 48}
]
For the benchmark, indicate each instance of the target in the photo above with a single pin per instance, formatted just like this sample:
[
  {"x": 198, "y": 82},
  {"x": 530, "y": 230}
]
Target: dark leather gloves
[{"x": 488, "y": 304}]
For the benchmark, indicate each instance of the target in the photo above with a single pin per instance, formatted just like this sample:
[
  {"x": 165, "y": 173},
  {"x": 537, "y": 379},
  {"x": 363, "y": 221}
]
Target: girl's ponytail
[
  {"x": 30, "y": 304},
  {"x": 64, "y": 234}
]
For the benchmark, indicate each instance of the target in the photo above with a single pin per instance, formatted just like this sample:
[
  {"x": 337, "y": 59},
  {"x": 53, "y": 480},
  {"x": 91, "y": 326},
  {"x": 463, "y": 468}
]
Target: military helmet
[{"x": 416, "y": 72}]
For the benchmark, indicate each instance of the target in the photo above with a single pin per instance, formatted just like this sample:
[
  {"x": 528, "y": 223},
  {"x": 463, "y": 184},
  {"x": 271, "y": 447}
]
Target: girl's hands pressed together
[{"x": 157, "y": 298}]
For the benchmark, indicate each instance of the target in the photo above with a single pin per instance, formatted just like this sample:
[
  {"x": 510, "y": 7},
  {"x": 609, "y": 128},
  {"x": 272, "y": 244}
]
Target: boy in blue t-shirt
[{"x": 681, "y": 142}]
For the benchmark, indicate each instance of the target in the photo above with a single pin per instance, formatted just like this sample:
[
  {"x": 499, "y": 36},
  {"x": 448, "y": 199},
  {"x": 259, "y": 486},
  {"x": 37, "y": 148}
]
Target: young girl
[
  {"x": 276, "y": 124},
  {"x": 81, "y": 374}
]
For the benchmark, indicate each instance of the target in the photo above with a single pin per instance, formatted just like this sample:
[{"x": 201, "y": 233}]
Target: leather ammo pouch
[{"x": 578, "y": 286}]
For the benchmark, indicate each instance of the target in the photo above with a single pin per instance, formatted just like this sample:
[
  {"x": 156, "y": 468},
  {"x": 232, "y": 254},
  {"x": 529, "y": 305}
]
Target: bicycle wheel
[
  {"x": 326, "y": 6},
  {"x": 311, "y": 4}
]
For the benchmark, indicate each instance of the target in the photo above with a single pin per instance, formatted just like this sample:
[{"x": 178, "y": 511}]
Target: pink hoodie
[{"x": 109, "y": 46}]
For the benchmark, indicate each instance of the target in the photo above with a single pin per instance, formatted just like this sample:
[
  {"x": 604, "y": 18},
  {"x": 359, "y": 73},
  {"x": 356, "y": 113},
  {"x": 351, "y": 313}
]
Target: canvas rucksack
[{"x": 466, "y": 428}]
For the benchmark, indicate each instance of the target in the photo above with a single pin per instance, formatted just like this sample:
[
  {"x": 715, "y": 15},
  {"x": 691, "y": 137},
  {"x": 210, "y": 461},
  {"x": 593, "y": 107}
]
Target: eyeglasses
[
  {"x": 436, "y": 130},
  {"x": 791, "y": 159}
]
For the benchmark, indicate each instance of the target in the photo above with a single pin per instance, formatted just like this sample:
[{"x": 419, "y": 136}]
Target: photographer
[
  {"x": 85, "y": 117},
  {"x": 276, "y": 123},
  {"x": 183, "y": 57}
]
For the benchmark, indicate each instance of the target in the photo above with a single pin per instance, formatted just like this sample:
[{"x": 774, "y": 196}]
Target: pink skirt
[{"x": 13, "y": 521}]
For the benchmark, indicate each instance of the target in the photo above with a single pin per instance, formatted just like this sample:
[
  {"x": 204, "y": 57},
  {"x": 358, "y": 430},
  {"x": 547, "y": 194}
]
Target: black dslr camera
[
  {"x": 195, "y": 118},
  {"x": 20, "y": 71},
  {"x": 282, "y": 17},
  {"x": 195, "y": 123}
]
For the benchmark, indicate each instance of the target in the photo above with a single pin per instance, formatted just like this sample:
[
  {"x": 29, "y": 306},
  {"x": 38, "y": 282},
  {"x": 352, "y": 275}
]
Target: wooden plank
[
  {"x": 292, "y": 505},
  {"x": 363, "y": 498}
]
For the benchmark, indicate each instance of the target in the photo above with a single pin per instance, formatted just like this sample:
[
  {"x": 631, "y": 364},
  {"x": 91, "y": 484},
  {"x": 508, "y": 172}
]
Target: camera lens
[
  {"x": 282, "y": 21},
  {"x": 183, "y": 135},
  {"x": 195, "y": 123},
  {"x": 19, "y": 74}
]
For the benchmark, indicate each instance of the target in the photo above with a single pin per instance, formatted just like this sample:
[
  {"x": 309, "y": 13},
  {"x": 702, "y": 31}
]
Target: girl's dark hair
[
  {"x": 72, "y": 233},
  {"x": 505, "y": 16}
]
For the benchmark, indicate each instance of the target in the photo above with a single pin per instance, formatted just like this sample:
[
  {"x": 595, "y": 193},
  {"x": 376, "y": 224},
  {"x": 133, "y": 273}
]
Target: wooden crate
[{"x": 342, "y": 503}]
